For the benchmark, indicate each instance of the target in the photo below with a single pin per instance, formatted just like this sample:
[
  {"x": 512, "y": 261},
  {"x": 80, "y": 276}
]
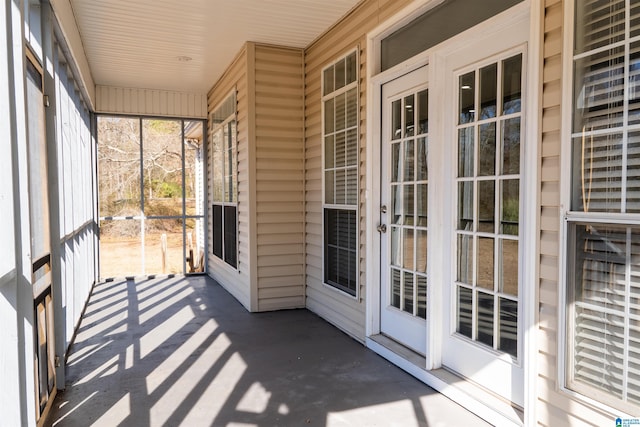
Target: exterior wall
[
  {"x": 17, "y": 403},
  {"x": 237, "y": 282},
  {"x": 279, "y": 177},
  {"x": 150, "y": 102},
  {"x": 555, "y": 407},
  {"x": 344, "y": 311}
]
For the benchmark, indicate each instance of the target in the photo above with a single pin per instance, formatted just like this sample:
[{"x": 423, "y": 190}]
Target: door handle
[{"x": 382, "y": 228}]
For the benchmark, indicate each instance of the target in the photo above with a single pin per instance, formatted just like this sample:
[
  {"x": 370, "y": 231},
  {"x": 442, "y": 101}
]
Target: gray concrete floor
[{"x": 182, "y": 351}]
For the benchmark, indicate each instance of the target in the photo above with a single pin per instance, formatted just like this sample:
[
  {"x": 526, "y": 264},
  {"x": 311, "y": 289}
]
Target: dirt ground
[{"x": 122, "y": 256}]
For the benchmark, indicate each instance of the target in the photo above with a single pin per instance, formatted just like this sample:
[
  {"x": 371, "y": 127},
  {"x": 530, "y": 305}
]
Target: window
[
  {"x": 603, "y": 357},
  {"x": 224, "y": 159},
  {"x": 340, "y": 136}
]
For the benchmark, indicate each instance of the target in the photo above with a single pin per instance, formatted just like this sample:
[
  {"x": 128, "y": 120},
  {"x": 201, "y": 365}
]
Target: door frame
[{"x": 533, "y": 12}]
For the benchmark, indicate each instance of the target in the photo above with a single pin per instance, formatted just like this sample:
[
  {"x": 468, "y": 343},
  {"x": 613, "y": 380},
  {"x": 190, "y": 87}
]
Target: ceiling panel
[{"x": 143, "y": 43}]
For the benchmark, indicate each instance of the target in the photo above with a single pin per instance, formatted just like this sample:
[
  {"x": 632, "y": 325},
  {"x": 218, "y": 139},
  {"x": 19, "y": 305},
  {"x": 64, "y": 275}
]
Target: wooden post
[{"x": 163, "y": 245}]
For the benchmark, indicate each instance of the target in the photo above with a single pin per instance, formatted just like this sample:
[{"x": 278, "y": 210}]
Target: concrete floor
[{"x": 182, "y": 351}]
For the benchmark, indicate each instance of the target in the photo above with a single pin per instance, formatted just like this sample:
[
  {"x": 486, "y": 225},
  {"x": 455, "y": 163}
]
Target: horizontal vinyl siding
[
  {"x": 342, "y": 310},
  {"x": 555, "y": 407},
  {"x": 237, "y": 282},
  {"x": 150, "y": 102},
  {"x": 279, "y": 177}
]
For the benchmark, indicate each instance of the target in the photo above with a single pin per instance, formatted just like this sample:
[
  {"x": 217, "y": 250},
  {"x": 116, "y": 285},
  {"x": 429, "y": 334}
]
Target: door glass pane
[
  {"x": 486, "y": 206},
  {"x": 465, "y": 258},
  {"x": 488, "y": 91},
  {"x": 421, "y": 292},
  {"x": 421, "y": 251},
  {"x": 408, "y": 292},
  {"x": 422, "y": 166},
  {"x": 423, "y": 112},
  {"x": 409, "y": 161},
  {"x": 465, "y": 205},
  {"x": 511, "y": 84},
  {"x": 508, "y": 326},
  {"x": 395, "y": 162},
  {"x": 409, "y": 115},
  {"x": 396, "y": 119},
  {"x": 464, "y": 318},
  {"x": 485, "y": 257},
  {"x": 511, "y": 146},
  {"x": 395, "y": 287},
  {"x": 487, "y": 149},
  {"x": 509, "y": 267},
  {"x": 509, "y": 223},
  {"x": 422, "y": 206},
  {"x": 408, "y": 204},
  {"x": 396, "y": 256},
  {"x": 396, "y": 204},
  {"x": 485, "y": 318},
  {"x": 465, "y": 152},
  {"x": 408, "y": 243},
  {"x": 467, "y": 98}
]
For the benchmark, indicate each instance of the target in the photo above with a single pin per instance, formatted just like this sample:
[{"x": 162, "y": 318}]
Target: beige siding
[
  {"x": 343, "y": 311},
  {"x": 237, "y": 282},
  {"x": 279, "y": 177},
  {"x": 555, "y": 407},
  {"x": 150, "y": 102}
]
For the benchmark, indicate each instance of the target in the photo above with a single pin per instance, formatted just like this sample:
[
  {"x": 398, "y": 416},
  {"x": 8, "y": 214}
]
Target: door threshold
[{"x": 475, "y": 399}]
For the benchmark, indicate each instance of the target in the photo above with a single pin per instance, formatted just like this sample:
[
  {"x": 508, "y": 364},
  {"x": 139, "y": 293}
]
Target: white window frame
[
  {"x": 567, "y": 217},
  {"x": 356, "y": 207},
  {"x": 215, "y": 128}
]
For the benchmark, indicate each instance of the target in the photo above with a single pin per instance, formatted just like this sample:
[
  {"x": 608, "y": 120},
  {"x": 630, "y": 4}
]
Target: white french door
[
  {"x": 403, "y": 210},
  {"x": 484, "y": 128}
]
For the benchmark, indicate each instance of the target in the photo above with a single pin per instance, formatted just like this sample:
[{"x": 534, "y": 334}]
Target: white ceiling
[{"x": 138, "y": 43}]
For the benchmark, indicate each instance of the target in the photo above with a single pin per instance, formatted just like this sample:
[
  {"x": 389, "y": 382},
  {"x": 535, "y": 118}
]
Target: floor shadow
[{"x": 182, "y": 351}]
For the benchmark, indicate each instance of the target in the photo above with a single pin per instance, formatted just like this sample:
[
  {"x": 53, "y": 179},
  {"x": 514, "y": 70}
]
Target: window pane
[
  {"x": 599, "y": 90},
  {"x": 340, "y": 113},
  {"x": 598, "y": 23},
  {"x": 597, "y": 173},
  {"x": 509, "y": 223},
  {"x": 396, "y": 204},
  {"x": 352, "y": 147},
  {"x": 467, "y": 98},
  {"x": 329, "y": 116},
  {"x": 465, "y": 152},
  {"x": 464, "y": 313},
  {"x": 352, "y": 186},
  {"x": 408, "y": 242},
  {"x": 233, "y": 189},
  {"x": 395, "y": 162},
  {"x": 485, "y": 257},
  {"x": 352, "y": 108},
  {"x": 487, "y": 150},
  {"x": 422, "y": 205},
  {"x": 396, "y": 255},
  {"x": 633, "y": 172},
  {"x": 634, "y": 83},
  {"x": 328, "y": 80},
  {"x": 341, "y": 149},
  {"x": 329, "y": 152},
  {"x": 485, "y": 318},
  {"x": 218, "y": 165},
  {"x": 352, "y": 68},
  {"x": 329, "y": 187},
  {"x": 341, "y": 249},
  {"x": 511, "y": 146},
  {"x": 340, "y": 73},
  {"x": 217, "y": 230},
  {"x": 341, "y": 182},
  {"x": 511, "y": 85},
  {"x": 421, "y": 251},
  {"x": 488, "y": 91}
]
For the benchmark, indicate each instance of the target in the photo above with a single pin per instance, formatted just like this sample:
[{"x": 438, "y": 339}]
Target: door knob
[{"x": 382, "y": 228}]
